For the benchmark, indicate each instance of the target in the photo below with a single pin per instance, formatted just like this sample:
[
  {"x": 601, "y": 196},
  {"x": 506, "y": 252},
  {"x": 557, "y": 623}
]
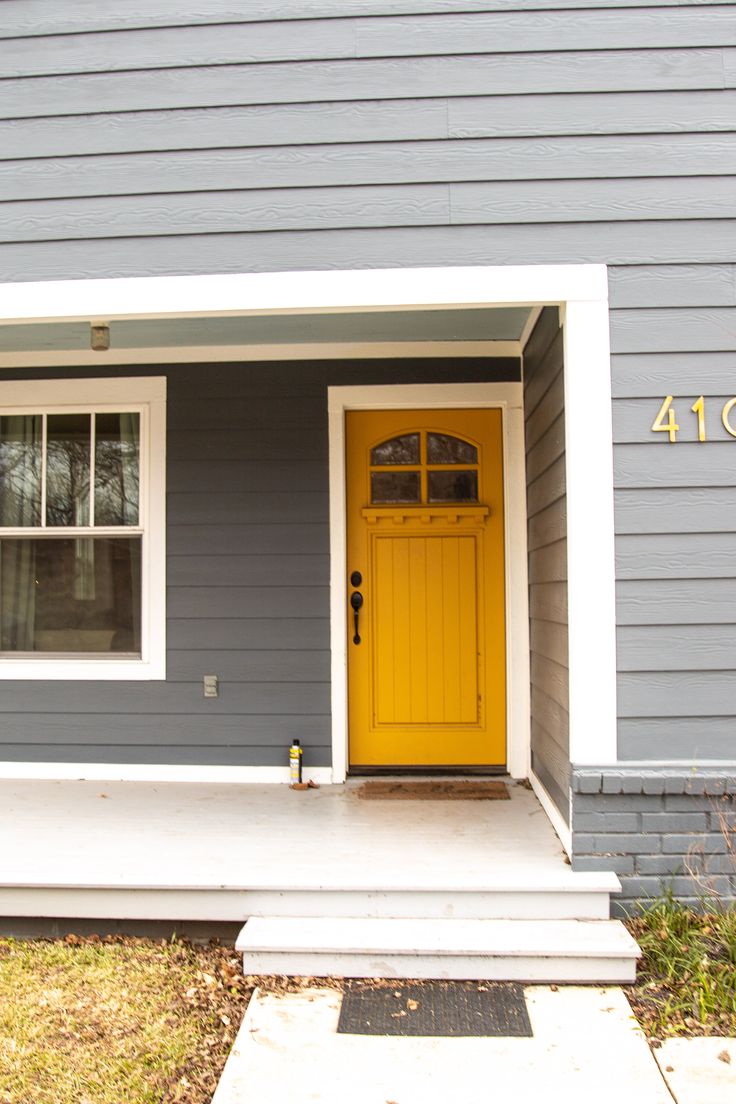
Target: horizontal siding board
[
  {"x": 224, "y": 212},
  {"x": 538, "y": 385},
  {"x": 169, "y": 697},
  {"x": 255, "y": 665},
  {"x": 549, "y": 564},
  {"x": 687, "y": 737},
  {"x": 395, "y": 78},
  {"x": 258, "y": 443},
  {"x": 677, "y": 648},
  {"x": 548, "y": 526},
  {"x": 296, "y": 570},
  {"x": 688, "y": 286},
  {"x": 548, "y": 488},
  {"x": 548, "y": 448},
  {"x": 545, "y": 748},
  {"x": 550, "y": 640},
  {"x": 676, "y": 602},
  {"x": 689, "y": 464},
  {"x": 223, "y": 127},
  {"x": 560, "y": 798},
  {"x": 201, "y": 475},
  {"x": 593, "y": 200},
  {"x": 633, "y": 420},
  {"x": 38, "y": 17},
  {"x": 673, "y": 330},
  {"x": 649, "y": 375},
  {"x": 220, "y": 508},
  {"x": 561, "y": 243},
  {"x": 225, "y": 540},
  {"x": 548, "y": 409},
  {"x": 268, "y": 413},
  {"x": 677, "y": 694},
  {"x": 195, "y": 634},
  {"x": 206, "y": 599},
  {"x": 237, "y": 43},
  {"x": 552, "y": 678},
  {"x": 676, "y": 556},
  {"x": 360, "y": 163},
  {"x": 540, "y": 339},
  {"x": 693, "y": 115},
  {"x": 592, "y": 113},
  {"x": 548, "y": 602},
  {"x": 551, "y": 716}
]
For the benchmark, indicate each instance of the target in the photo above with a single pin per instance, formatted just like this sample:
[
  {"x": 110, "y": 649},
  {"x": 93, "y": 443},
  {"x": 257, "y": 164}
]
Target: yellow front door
[{"x": 426, "y": 640}]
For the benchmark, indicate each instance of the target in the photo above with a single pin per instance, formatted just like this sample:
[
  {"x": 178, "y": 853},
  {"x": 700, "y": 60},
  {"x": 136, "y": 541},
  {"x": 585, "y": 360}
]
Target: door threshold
[{"x": 428, "y": 772}]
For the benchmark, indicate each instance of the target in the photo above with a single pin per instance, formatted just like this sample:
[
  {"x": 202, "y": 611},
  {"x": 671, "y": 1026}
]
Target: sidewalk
[{"x": 586, "y": 1046}]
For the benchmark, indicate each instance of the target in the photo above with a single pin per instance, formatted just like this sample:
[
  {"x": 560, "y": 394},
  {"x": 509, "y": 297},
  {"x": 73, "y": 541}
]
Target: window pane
[
  {"x": 20, "y": 469},
  {"x": 399, "y": 450},
  {"x": 72, "y": 595},
  {"x": 117, "y": 450},
  {"x": 443, "y": 449},
  {"x": 452, "y": 486},
  {"x": 67, "y": 469},
  {"x": 395, "y": 487}
]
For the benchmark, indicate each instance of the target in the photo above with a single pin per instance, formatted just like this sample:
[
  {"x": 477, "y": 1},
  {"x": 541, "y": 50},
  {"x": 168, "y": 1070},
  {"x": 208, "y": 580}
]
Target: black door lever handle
[{"x": 356, "y": 601}]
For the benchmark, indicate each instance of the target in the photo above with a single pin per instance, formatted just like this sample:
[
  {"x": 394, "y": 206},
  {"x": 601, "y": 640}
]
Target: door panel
[{"x": 427, "y": 679}]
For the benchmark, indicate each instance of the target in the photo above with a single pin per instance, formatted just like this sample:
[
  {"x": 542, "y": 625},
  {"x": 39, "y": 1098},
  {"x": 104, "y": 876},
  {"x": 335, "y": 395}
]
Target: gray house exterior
[{"x": 253, "y": 143}]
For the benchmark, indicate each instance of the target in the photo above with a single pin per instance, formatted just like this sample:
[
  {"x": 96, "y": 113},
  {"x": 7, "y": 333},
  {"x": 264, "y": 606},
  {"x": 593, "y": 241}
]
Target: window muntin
[{"x": 424, "y": 467}]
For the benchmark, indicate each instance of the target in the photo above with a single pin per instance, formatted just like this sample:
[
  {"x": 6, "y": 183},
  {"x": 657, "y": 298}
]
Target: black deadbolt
[{"x": 356, "y": 579}]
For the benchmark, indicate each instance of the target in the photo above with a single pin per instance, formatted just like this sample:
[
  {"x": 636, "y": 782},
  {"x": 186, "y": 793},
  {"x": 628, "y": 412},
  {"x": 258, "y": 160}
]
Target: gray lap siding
[{"x": 247, "y": 578}]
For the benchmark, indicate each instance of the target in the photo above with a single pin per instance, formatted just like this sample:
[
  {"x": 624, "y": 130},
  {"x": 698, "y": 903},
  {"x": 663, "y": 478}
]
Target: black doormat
[{"x": 441, "y": 1008}]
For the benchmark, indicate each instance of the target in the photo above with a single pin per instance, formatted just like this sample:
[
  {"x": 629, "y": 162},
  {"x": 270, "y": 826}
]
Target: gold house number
[{"x": 666, "y": 422}]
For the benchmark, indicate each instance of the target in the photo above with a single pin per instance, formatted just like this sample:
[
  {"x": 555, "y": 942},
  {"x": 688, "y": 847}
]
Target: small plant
[{"x": 686, "y": 983}]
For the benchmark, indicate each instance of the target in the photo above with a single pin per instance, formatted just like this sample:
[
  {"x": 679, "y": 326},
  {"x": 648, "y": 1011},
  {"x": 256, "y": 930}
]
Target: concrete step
[{"x": 501, "y": 950}]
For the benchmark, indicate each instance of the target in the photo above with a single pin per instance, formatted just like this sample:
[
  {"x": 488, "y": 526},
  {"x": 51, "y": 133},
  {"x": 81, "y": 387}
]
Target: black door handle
[{"x": 356, "y": 601}]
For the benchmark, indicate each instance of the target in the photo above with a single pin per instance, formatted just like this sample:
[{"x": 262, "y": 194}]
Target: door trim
[{"x": 509, "y": 398}]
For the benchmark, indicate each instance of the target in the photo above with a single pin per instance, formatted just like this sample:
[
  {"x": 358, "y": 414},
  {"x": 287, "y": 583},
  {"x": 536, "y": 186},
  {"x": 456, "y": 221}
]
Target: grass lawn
[
  {"x": 686, "y": 983},
  {"x": 107, "y": 1021}
]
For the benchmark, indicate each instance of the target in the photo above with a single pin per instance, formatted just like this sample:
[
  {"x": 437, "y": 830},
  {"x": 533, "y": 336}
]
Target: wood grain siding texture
[
  {"x": 247, "y": 578},
  {"x": 544, "y": 421},
  {"x": 210, "y": 136}
]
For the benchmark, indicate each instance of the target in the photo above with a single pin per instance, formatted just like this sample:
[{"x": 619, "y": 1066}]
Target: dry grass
[
  {"x": 686, "y": 982},
  {"x": 102, "y": 1021}
]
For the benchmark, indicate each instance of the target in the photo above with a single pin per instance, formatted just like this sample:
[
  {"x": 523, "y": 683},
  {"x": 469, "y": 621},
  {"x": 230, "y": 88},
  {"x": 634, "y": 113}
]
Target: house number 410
[{"x": 665, "y": 421}]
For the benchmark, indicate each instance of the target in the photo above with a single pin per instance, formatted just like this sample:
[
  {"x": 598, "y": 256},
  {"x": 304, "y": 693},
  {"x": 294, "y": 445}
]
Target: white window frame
[{"x": 146, "y": 396}]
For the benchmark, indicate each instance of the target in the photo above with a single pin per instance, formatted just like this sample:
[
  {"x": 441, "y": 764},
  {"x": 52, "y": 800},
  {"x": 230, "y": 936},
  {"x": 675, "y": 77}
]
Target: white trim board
[
  {"x": 509, "y": 398},
  {"x": 307, "y": 292},
  {"x": 157, "y": 772}
]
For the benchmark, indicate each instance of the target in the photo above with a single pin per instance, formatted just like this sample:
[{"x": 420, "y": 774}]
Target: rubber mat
[
  {"x": 440, "y": 1008},
  {"x": 434, "y": 791}
]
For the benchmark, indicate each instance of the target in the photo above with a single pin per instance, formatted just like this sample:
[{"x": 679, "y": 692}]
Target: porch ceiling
[{"x": 487, "y": 325}]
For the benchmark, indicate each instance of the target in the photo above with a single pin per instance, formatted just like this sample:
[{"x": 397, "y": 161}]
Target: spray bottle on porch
[{"x": 295, "y": 763}]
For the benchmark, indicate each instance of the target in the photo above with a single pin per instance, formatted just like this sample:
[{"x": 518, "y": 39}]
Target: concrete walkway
[{"x": 586, "y": 1046}]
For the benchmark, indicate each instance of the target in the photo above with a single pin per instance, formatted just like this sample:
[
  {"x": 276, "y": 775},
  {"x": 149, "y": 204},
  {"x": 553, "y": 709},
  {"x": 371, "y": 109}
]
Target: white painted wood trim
[
  {"x": 564, "y": 832},
  {"x": 147, "y": 395},
  {"x": 157, "y": 772},
  {"x": 206, "y": 354},
  {"x": 591, "y": 568},
  {"x": 271, "y": 292},
  {"x": 509, "y": 398}
]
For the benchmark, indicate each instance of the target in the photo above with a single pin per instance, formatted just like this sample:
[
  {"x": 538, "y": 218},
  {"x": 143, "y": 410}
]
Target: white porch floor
[{"x": 200, "y": 851}]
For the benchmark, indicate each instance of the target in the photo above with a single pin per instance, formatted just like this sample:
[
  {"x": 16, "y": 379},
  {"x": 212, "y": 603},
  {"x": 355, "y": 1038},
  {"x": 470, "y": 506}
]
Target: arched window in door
[{"x": 424, "y": 467}]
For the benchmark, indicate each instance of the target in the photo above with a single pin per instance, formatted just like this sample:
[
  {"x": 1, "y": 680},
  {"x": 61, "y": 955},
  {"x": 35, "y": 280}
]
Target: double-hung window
[{"x": 82, "y": 528}]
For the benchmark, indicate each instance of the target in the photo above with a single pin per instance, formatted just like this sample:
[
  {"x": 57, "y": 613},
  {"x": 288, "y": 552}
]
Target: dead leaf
[
  {"x": 412, "y": 1005},
  {"x": 724, "y": 1056}
]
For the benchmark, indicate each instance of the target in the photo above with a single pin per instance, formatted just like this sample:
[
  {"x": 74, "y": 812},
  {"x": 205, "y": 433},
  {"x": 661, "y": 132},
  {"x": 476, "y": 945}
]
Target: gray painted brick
[
  {"x": 607, "y": 822},
  {"x": 659, "y": 864},
  {"x": 619, "y": 864},
  {"x": 616, "y": 803},
  {"x": 638, "y": 887},
  {"x": 674, "y": 822},
  {"x": 686, "y": 803},
  {"x": 653, "y": 785},
  {"x": 612, "y": 783},
  {"x": 617, "y": 843},
  {"x": 587, "y": 783},
  {"x": 673, "y": 784},
  {"x": 708, "y": 843},
  {"x": 702, "y": 887}
]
